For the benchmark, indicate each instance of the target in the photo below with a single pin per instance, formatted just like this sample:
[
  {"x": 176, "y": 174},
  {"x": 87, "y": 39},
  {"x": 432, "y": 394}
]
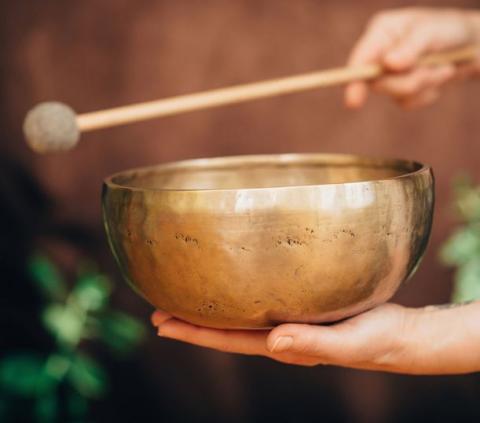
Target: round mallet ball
[{"x": 51, "y": 126}]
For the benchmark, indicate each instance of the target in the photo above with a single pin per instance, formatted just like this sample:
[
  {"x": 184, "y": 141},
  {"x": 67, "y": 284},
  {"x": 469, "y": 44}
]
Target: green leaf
[
  {"x": 47, "y": 278},
  {"x": 121, "y": 332},
  {"x": 24, "y": 374},
  {"x": 467, "y": 287},
  {"x": 64, "y": 322},
  {"x": 87, "y": 377},
  {"x": 461, "y": 247},
  {"x": 92, "y": 291},
  {"x": 57, "y": 366}
]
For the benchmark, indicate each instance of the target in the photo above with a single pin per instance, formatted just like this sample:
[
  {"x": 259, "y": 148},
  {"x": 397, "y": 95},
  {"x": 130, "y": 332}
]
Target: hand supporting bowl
[{"x": 254, "y": 241}]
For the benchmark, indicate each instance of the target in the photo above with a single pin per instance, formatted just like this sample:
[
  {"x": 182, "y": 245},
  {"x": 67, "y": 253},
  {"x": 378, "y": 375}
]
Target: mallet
[{"x": 54, "y": 126}]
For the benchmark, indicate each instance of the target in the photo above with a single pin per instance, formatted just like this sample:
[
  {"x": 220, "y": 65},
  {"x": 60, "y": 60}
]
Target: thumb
[{"x": 323, "y": 342}]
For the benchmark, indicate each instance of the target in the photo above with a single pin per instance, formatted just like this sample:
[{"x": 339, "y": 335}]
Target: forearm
[{"x": 440, "y": 340}]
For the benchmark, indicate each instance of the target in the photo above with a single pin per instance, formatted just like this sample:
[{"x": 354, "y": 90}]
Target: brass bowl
[{"x": 254, "y": 241}]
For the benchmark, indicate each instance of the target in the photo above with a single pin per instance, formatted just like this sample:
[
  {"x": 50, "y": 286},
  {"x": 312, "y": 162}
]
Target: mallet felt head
[{"x": 51, "y": 126}]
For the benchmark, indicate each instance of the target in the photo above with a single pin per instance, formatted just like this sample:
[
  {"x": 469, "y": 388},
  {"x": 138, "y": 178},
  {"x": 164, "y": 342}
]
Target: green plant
[
  {"x": 462, "y": 249},
  {"x": 73, "y": 317}
]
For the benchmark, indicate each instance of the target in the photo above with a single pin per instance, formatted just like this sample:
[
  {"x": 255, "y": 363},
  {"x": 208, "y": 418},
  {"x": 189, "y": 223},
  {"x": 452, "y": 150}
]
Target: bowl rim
[{"x": 279, "y": 159}]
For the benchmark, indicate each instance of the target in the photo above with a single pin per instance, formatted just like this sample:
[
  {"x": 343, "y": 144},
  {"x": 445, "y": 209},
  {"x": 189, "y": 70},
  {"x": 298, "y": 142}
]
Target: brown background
[{"x": 100, "y": 54}]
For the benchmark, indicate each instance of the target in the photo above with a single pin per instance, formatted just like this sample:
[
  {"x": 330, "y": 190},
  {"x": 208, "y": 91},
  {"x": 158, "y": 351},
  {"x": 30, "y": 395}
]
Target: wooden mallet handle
[
  {"x": 241, "y": 93},
  {"x": 43, "y": 135}
]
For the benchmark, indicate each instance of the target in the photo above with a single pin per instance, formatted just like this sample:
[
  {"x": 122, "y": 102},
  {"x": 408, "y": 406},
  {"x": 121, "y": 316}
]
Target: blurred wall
[{"x": 100, "y": 54}]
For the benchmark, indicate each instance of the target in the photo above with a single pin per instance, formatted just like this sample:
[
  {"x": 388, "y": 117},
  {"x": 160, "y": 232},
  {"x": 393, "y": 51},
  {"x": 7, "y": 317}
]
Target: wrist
[{"x": 443, "y": 339}]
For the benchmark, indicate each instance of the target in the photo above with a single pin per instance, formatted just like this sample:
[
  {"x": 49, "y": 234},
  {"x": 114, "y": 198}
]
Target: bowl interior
[{"x": 263, "y": 172}]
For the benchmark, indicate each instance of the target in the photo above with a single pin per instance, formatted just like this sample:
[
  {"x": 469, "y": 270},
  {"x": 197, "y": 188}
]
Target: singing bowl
[{"x": 254, "y": 241}]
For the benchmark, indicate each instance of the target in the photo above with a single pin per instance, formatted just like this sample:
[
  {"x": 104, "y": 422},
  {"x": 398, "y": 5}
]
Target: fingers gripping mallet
[{"x": 54, "y": 126}]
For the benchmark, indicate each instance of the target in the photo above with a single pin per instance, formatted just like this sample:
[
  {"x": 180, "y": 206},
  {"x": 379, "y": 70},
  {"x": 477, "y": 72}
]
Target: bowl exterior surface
[{"x": 254, "y": 258}]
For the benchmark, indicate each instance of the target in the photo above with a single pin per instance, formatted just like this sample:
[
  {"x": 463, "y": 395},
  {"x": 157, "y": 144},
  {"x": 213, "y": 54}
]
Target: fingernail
[
  {"x": 159, "y": 317},
  {"x": 282, "y": 343}
]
